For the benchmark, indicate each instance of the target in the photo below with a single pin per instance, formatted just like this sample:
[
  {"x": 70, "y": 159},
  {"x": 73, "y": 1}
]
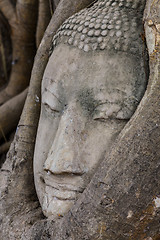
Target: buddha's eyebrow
[
  {"x": 108, "y": 95},
  {"x": 47, "y": 90}
]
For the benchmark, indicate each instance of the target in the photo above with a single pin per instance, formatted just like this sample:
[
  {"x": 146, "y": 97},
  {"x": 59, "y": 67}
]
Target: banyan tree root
[
  {"x": 5, "y": 147},
  {"x": 44, "y": 16},
  {"x": 10, "y": 113},
  {"x": 22, "y": 20}
]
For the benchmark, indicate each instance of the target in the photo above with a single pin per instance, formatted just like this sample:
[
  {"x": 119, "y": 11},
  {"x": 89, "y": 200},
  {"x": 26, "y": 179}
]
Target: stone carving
[
  {"x": 88, "y": 95},
  {"x": 108, "y": 24}
]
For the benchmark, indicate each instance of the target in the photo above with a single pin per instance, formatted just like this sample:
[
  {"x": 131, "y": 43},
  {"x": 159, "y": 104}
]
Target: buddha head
[{"x": 87, "y": 99}]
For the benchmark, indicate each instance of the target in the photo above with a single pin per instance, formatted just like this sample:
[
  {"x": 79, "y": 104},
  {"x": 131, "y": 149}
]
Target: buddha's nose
[{"x": 64, "y": 156}]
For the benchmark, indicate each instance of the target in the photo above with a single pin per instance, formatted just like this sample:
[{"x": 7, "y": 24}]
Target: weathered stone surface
[
  {"x": 117, "y": 23},
  {"x": 90, "y": 89}
]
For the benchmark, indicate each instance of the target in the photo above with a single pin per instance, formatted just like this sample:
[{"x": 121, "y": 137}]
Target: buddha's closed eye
[
  {"x": 51, "y": 109},
  {"x": 51, "y": 103},
  {"x": 112, "y": 111}
]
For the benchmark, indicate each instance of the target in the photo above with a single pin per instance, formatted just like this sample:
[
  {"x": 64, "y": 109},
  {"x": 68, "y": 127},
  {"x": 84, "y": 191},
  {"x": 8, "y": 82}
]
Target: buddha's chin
[{"x": 53, "y": 207}]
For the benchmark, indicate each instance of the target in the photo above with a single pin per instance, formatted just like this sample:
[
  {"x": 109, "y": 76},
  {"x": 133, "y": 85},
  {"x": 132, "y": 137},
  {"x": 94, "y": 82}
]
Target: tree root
[
  {"x": 22, "y": 19},
  {"x": 10, "y": 113},
  {"x": 4, "y": 97},
  {"x": 5, "y": 147},
  {"x": 44, "y": 17}
]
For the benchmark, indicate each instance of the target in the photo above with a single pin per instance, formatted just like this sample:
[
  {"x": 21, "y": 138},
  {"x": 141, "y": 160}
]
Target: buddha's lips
[
  {"x": 60, "y": 194},
  {"x": 62, "y": 191}
]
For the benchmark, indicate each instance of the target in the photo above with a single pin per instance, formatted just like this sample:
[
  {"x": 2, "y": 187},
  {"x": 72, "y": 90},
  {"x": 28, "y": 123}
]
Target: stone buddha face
[{"x": 87, "y": 98}]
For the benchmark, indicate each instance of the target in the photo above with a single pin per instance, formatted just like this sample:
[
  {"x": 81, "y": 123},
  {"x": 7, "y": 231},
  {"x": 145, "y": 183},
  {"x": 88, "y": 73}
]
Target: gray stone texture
[
  {"x": 92, "y": 85},
  {"x": 108, "y": 24}
]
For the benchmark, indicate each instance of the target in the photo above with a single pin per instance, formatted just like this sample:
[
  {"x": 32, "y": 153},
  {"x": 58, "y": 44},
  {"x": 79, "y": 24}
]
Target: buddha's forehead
[{"x": 102, "y": 74}]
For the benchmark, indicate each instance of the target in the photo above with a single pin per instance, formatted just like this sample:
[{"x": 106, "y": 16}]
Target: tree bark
[{"x": 44, "y": 16}]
